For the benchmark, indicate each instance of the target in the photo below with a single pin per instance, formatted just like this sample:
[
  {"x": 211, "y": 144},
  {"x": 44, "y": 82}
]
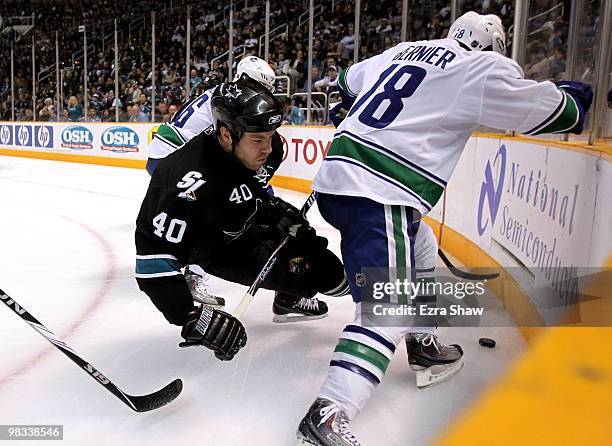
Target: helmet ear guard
[{"x": 498, "y": 43}]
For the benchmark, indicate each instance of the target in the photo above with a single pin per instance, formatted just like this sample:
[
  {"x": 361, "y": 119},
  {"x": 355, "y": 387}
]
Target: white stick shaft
[
  {"x": 243, "y": 305},
  {"x": 250, "y": 294}
]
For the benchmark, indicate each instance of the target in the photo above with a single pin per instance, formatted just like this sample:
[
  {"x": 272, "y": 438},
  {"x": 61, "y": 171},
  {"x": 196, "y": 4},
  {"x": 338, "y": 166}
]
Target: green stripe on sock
[{"x": 364, "y": 352}]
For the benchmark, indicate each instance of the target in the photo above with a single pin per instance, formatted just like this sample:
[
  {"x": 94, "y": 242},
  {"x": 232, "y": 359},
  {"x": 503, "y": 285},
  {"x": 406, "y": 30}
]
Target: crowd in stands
[{"x": 333, "y": 49}]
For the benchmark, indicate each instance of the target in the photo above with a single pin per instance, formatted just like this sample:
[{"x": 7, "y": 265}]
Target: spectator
[
  {"x": 296, "y": 70},
  {"x": 314, "y": 76},
  {"x": 296, "y": 116},
  {"x": 96, "y": 104},
  {"x": 251, "y": 42},
  {"x": 92, "y": 115},
  {"x": 74, "y": 111},
  {"x": 195, "y": 79},
  {"x": 144, "y": 105},
  {"x": 107, "y": 116},
  {"x": 136, "y": 114},
  {"x": 136, "y": 92},
  {"x": 171, "y": 111},
  {"x": 170, "y": 77},
  {"x": 162, "y": 111},
  {"x": 5, "y": 110},
  {"x": 328, "y": 82},
  {"x": 282, "y": 66},
  {"x": 48, "y": 112},
  {"x": 347, "y": 43},
  {"x": 28, "y": 115}
]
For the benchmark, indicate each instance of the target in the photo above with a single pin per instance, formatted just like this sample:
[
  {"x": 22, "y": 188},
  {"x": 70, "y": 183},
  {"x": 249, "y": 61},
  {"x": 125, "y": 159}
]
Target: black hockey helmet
[{"x": 245, "y": 106}]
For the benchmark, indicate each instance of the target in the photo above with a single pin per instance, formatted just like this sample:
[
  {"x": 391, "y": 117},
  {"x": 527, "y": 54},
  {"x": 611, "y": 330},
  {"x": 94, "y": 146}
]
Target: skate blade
[
  {"x": 438, "y": 373},
  {"x": 285, "y": 318}
]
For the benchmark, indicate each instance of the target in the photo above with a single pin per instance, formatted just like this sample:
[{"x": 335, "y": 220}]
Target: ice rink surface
[{"x": 67, "y": 255}]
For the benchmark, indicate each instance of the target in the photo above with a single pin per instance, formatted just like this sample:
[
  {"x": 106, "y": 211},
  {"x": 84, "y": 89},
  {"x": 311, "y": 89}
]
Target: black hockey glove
[
  {"x": 217, "y": 330},
  {"x": 289, "y": 220}
]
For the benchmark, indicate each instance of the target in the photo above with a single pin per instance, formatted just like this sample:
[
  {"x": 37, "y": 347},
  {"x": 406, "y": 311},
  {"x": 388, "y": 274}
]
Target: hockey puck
[{"x": 487, "y": 342}]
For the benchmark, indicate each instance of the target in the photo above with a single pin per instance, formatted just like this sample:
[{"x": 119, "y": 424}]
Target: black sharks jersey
[{"x": 200, "y": 197}]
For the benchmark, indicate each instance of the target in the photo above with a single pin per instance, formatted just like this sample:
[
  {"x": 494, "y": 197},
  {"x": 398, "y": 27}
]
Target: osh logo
[
  {"x": 43, "y": 136},
  {"x": 23, "y": 135},
  {"x": 491, "y": 190},
  {"x": 120, "y": 139},
  {"x": 77, "y": 137},
  {"x": 6, "y": 134}
]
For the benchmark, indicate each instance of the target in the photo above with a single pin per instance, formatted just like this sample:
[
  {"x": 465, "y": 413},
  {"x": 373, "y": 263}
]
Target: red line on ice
[{"x": 108, "y": 280}]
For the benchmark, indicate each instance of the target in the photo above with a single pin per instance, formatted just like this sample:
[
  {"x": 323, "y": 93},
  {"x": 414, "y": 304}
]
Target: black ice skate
[
  {"x": 433, "y": 361},
  {"x": 289, "y": 308},
  {"x": 199, "y": 290},
  {"x": 325, "y": 424}
]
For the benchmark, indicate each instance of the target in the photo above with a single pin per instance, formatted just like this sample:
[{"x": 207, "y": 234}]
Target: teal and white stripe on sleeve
[{"x": 157, "y": 265}]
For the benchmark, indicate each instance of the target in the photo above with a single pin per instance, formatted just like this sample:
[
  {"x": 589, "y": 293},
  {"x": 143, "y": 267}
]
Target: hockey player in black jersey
[{"x": 208, "y": 204}]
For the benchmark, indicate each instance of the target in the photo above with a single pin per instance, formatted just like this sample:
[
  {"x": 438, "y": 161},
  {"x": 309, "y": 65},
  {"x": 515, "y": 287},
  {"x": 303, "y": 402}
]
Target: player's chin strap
[
  {"x": 235, "y": 140},
  {"x": 234, "y": 136}
]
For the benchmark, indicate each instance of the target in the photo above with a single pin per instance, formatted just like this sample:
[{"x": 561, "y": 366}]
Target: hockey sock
[{"x": 358, "y": 364}]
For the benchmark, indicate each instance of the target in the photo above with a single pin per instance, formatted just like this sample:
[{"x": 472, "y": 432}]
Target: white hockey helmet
[
  {"x": 479, "y": 32},
  {"x": 256, "y": 69}
]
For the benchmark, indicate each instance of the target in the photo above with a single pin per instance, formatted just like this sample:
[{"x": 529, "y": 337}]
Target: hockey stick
[
  {"x": 250, "y": 294},
  {"x": 464, "y": 274},
  {"x": 142, "y": 403}
]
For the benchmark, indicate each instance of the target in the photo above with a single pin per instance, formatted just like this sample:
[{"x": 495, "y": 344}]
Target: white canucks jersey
[
  {"x": 190, "y": 120},
  {"x": 415, "y": 107}
]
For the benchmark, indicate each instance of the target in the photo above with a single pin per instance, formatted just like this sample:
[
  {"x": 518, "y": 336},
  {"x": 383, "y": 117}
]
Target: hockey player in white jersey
[
  {"x": 190, "y": 120},
  {"x": 196, "y": 115},
  {"x": 411, "y": 112}
]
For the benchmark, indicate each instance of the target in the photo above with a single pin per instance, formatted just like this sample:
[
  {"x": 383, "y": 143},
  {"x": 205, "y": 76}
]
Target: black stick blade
[
  {"x": 142, "y": 403},
  {"x": 157, "y": 399}
]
